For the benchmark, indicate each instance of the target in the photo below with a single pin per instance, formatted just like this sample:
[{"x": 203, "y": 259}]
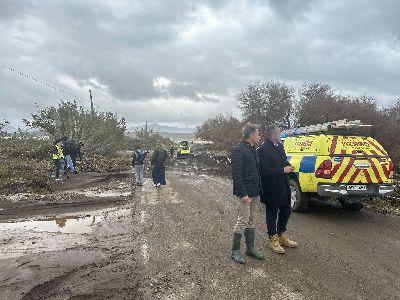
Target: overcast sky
[{"x": 180, "y": 62}]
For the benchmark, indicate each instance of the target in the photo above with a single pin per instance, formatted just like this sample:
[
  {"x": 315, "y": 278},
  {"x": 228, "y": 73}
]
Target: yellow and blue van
[{"x": 336, "y": 164}]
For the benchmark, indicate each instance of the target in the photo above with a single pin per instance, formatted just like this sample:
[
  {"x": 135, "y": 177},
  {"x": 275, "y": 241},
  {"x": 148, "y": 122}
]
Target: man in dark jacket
[
  {"x": 138, "y": 164},
  {"x": 68, "y": 150},
  {"x": 274, "y": 173},
  {"x": 158, "y": 160},
  {"x": 246, "y": 189}
]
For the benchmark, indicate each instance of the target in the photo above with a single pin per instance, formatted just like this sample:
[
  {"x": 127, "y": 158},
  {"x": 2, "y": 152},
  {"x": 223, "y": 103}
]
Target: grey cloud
[
  {"x": 187, "y": 91},
  {"x": 203, "y": 47},
  {"x": 291, "y": 10}
]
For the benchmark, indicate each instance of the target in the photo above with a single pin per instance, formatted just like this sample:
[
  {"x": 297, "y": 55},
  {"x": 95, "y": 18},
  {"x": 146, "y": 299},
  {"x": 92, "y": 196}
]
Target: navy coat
[
  {"x": 274, "y": 182},
  {"x": 245, "y": 173}
]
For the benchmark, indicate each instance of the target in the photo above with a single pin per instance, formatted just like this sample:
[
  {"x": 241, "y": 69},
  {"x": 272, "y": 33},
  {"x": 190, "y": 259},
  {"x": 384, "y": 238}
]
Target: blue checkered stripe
[{"x": 307, "y": 164}]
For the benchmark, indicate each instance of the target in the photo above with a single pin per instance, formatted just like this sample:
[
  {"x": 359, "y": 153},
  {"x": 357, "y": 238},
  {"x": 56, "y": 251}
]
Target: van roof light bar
[{"x": 325, "y": 127}]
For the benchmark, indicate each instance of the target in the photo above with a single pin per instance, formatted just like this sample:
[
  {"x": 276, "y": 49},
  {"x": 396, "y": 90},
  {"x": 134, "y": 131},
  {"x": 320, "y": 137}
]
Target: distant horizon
[
  {"x": 10, "y": 128},
  {"x": 161, "y": 127}
]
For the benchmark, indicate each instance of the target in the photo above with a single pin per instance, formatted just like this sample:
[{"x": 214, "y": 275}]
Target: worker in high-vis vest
[{"x": 57, "y": 156}]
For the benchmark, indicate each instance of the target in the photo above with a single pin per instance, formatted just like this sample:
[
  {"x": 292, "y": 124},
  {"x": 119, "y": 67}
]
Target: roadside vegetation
[
  {"x": 26, "y": 163},
  {"x": 101, "y": 132}
]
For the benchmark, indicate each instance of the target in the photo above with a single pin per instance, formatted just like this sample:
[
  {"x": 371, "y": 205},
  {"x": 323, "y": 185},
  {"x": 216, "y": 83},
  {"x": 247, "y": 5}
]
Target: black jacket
[
  {"x": 245, "y": 175},
  {"x": 275, "y": 183},
  {"x": 68, "y": 148},
  {"x": 159, "y": 157}
]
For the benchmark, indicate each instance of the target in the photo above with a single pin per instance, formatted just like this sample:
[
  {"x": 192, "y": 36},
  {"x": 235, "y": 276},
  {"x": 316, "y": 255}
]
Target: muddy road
[{"x": 97, "y": 238}]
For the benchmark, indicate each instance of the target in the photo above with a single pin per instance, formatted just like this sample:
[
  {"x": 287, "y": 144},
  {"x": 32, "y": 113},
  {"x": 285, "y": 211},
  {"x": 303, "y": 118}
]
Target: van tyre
[
  {"x": 299, "y": 200},
  {"x": 351, "y": 206}
]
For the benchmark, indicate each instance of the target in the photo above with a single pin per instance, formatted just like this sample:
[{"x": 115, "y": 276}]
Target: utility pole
[
  {"x": 147, "y": 138},
  {"x": 91, "y": 101}
]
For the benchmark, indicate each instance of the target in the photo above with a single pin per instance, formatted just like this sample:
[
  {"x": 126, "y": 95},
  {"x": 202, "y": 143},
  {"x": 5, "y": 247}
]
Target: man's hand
[
  {"x": 288, "y": 169},
  {"x": 245, "y": 199}
]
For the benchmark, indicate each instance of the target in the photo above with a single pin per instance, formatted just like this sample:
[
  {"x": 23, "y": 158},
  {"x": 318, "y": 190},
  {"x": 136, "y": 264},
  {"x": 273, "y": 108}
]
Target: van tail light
[
  {"x": 324, "y": 170},
  {"x": 391, "y": 170}
]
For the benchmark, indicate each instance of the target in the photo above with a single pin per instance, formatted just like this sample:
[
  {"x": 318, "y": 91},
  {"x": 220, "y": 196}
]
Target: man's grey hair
[
  {"x": 269, "y": 129},
  {"x": 248, "y": 130}
]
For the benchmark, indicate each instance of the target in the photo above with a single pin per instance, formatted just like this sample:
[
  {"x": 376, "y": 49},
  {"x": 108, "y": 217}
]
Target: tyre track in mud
[
  {"x": 187, "y": 249},
  {"x": 55, "y": 286}
]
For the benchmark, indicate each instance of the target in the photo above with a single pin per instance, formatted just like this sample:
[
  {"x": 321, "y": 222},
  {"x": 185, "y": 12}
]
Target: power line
[{"x": 41, "y": 82}]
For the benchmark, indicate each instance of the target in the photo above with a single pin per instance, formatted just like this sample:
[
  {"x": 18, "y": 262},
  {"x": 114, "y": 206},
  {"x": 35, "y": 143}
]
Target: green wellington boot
[
  {"x": 236, "y": 254},
  {"x": 249, "y": 234}
]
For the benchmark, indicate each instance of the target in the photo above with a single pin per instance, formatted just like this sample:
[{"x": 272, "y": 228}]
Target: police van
[{"x": 332, "y": 161}]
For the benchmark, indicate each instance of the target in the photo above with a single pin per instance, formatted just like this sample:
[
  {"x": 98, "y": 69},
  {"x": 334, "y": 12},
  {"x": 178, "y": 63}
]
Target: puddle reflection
[{"x": 67, "y": 224}]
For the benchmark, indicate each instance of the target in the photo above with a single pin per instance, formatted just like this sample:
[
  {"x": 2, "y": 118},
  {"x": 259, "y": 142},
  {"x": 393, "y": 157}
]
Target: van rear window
[{"x": 355, "y": 145}]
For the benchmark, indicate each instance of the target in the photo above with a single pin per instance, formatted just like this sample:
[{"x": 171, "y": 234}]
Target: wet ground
[{"x": 96, "y": 238}]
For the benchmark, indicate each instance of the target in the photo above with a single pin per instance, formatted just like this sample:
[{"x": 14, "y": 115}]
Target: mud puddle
[
  {"x": 54, "y": 233},
  {"x": 103, "y": 194},
  {"x": 68, "y": 224}
]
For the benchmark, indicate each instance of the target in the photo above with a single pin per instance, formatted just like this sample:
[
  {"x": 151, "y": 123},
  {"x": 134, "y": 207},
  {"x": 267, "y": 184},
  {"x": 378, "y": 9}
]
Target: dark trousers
[
  {"x": 57, "y": 164},
  {"x": 277, "y": 218},
  {"x": 158, "y": 174}
]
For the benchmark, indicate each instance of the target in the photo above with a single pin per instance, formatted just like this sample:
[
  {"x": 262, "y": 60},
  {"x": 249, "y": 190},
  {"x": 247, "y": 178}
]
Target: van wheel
[
  {"x": 299, "y": 200},
  {"x": 351, "y": 206}
]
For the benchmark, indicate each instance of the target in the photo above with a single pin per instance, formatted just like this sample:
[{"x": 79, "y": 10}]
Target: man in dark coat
[
  {"x": 158, "y": 160},
  {"x": 276, "y": 193},
  {"x": 68, "y": 150},
  {"x": 246, "y": 191}
]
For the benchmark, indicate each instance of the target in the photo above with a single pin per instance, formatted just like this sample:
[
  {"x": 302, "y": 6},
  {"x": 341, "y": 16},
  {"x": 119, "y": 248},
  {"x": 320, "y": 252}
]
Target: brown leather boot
[
  {"x": 286, "y": 242},
  {"x": 274, "y": 244}
]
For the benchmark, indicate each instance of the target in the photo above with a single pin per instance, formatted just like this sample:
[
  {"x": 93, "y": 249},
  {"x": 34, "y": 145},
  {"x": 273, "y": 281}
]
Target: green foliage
[{"x": 101, "y": 132}]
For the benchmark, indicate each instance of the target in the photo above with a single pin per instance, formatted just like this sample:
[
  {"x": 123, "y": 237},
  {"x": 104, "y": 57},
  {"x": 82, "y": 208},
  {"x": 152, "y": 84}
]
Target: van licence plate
[{"x": 356, "y": 187}]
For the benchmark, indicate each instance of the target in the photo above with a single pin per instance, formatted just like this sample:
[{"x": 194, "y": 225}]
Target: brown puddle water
[{"x": 68, "y": 224}]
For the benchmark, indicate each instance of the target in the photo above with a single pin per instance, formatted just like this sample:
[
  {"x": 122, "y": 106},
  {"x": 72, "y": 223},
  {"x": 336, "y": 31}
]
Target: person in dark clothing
[
  {"x": 75, "y": 151},
  {"x": 276, "y": 193},
  {"x": 246, "y": 191},
  {"x": 78, "y": 151},
  {"x": 171, "y": 151},
  {"x": 68, "y": 149},
  {"x": 158, "y": 160},
  {"x": 138, "y": 159}
]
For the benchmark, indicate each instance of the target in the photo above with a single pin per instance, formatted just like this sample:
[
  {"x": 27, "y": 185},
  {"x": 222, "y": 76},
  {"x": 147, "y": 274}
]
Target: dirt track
[{"x": 174, "y": 243}]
